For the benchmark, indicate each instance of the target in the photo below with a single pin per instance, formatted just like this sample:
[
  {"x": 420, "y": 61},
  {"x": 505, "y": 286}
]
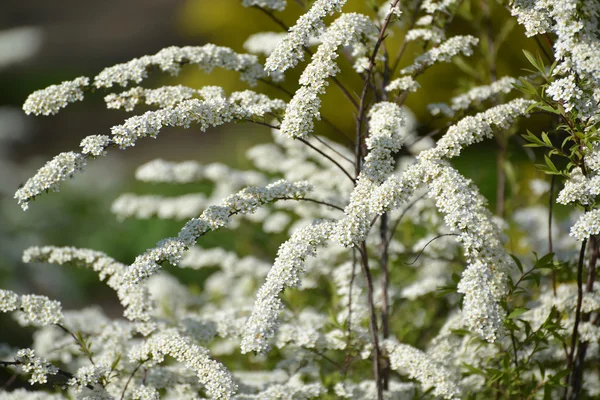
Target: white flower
[
  {"x": 95, "y": 145},
  {"x": 473, "y": 129},
  {"x": 37, "y": 366},
  {"x": 34, "y": 310},
  {"x": 442, "y": 53},
  {"x": 48, "y": 177},
  {"x": 587, "y": 225},
  {"x": 418, "y": 365},
  {"x": 347, "y": 30},
  {"x": 53, "y": 98},
  {"x": 406, "y": 83},
  {"x": 171, "y": 59},
  {"x": 135, "y": 299},
  {"x": 290, "y": 50},
  {"x": 263, "y": 42},
  {"x": 88, "y": 376},
  {"x": 277, "y": 5},
  {"x": 212, "y": 374},
  {"x": 246, "y": 201},
  {"x": 287, "y": 271}
]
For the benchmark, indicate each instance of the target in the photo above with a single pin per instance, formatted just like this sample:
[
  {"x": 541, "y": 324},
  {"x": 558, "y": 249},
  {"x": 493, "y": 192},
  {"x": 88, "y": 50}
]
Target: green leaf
[
  {"x": 518, "y": 262},
  {"x": 517, "y": 312}
]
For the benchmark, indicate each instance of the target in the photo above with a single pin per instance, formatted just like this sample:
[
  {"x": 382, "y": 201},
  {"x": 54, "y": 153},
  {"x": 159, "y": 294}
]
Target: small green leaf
[{"x": 517, "y": 312}]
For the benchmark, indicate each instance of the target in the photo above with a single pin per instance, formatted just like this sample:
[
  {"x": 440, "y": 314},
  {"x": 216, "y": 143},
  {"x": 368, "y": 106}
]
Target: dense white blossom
[
  {"x": 135, "y": 299},
  {"x": 286, "y": 272},
  {"x": 406, "y": 83},
  {"x": 579, "y": 189},
  {"x": 34, "y": 310},
  {"x": 385, "y": 123},
  {"x": 587, "y": 225},
  {"x": 38, "y": 367},
  {"x": 418, "y": 365},
  {"x": 277, "y": 5},
  {"x": 290, "y": 49},
  {"x": 89, "y": 375},
  {"x": 442, "y": 53},
  {"x": 206, "y": 113},
  {"x": 433, "y": 35},
  {"x": 212, "y": 374},
  {"x": 473, "y": 129},
  {"x": 347, "y": 30},
  {"x": 185, "y": 206},
  {"x": 53, "y": 98},
  {"x": 171, "y": 59},
  {"x": 245, "y": 202},
  {"x": 47, "y": 178}
]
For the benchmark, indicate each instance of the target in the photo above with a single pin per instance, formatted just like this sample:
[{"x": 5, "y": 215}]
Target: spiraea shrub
[{"x": 397, "y": 279}]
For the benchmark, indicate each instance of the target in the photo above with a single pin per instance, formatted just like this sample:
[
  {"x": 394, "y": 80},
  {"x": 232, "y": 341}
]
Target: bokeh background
[{"x": 43, "y": 43}]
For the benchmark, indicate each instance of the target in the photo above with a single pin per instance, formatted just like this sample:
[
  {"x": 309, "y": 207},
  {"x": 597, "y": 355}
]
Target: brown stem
[
  {"x": 372, "y": 320},
  {"x": 550, "y": 211},
  {"x": 577, "y": 313},
  {"x": 385, "y": 326},
  {"x": 576, "y": 380}
]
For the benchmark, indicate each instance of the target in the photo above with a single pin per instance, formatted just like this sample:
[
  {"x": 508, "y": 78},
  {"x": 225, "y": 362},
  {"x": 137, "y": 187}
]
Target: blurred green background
[{"x": 61, "y": 40}]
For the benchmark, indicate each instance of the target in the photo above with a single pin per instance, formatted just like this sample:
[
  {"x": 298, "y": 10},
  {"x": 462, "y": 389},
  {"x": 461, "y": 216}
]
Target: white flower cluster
[
  {"x": 433, "y": 6},
  {"x": 385, "y": 122},
  {"x": 186, "y": 206},
  {"x": 277, "y": 5},
  {"x": 35, "y": 310},
  {"x": 206, "y": 113},
  {"x": 50, "y": 100},
  {"x": 475, "y": 96},
  {"x": 37, "y": 366},
  {"x": 263, "y": 42},
  {"x": 576, "y": 49},
  {"x": 212, "y": 374},
  {"x": 89, "y": 375},
  {"x": 579, "y": 189},
  {"x": 211, "y": 112},
  {"x": 290, "y": 50},
  {"x": 406, "y": 83},
  {"x": 587, "y": 225},
  {"x": 367, "y": 390},
  {"x": 246, "y": 201},
  {"x": 47, "y": 178},
  {"x": 484, "y": 281},
  {"x": 135, "y": 299},
  {"x": 473, "y": 129},
  {"x": 433, "y": 35},
  {"x": 442, "y": 53},
  {"x": 294, "y": 388},
  {"x": 418, "y": 365},
  {"x": 286, "y": 272},
  {"x": 171, "y": 59},
  {"x": 165, "y": 96},
  {"x": 347, "y": 30},
  {"x": 95, "y": 145}
]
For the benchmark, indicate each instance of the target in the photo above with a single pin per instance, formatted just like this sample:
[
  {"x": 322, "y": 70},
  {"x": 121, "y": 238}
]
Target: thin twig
[
  {"x": 324, "y": 143},
  {"x": 327, "y": 157},
  {"x": 577, "y": 310},
  {"x": 312, "y": 201},
  {"x": 427, "y": 244},
  {"x": 130, "y": 378},
  {"x": 550, "y": 246},
  {"x": 372, "y": 320}
]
